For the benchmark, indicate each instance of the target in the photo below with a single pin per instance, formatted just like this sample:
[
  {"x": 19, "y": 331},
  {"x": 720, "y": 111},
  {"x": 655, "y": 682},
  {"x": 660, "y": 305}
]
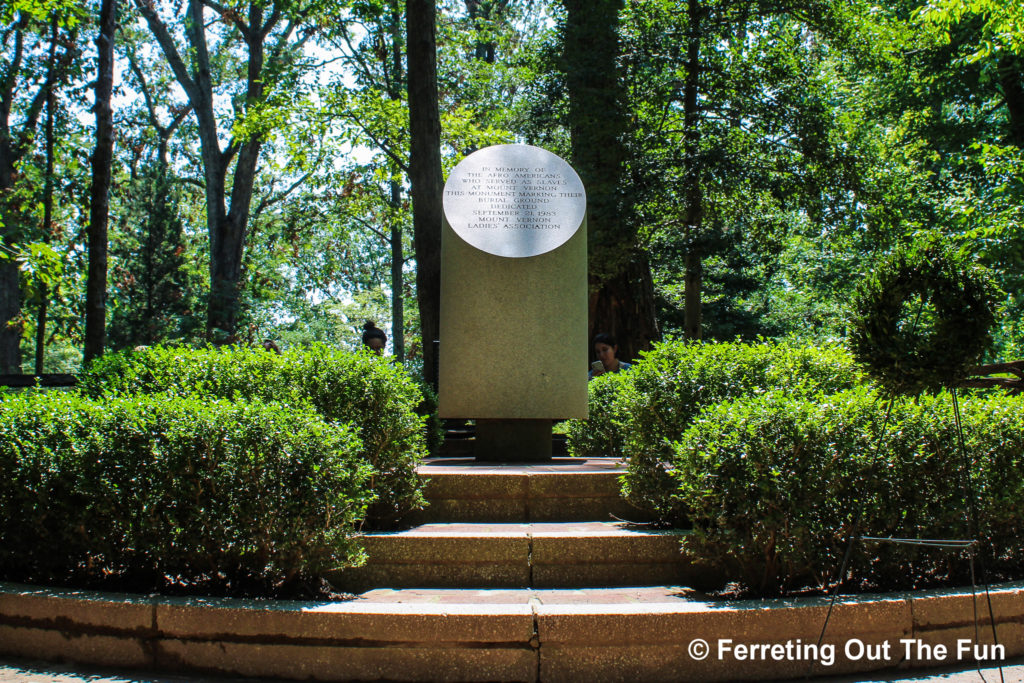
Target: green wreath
[{"x": 922, "y": 319}]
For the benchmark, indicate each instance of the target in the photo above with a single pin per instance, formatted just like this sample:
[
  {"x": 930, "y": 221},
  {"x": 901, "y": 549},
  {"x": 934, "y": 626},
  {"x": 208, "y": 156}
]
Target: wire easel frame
[{"x": 971, "y": 545}]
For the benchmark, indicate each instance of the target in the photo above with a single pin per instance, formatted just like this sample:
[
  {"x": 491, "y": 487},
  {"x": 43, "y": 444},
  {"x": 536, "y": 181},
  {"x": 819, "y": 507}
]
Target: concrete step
[
  {"x": 563, "y": 489},
  {"x": 622, "y": 634},
  {"x": 510, "y": 555}
]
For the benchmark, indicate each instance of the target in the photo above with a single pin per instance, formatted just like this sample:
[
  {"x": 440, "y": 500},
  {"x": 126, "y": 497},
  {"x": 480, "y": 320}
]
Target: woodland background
[{"x": 240, "y": 170}]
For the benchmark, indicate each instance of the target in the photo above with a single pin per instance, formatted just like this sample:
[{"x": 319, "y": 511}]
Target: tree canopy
[{"x": 276, "y": 164}]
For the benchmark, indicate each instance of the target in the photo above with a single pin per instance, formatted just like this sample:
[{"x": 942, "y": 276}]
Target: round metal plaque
[{"x": 514, "y": 200}]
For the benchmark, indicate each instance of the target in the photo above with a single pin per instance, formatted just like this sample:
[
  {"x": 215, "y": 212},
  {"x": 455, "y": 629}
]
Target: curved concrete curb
[{"x": 515, "y": 635}]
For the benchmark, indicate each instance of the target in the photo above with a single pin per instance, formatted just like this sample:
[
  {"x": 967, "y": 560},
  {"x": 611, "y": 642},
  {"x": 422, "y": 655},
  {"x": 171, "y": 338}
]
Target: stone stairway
[
  {"x": 515, "y": 573},
  {"x": 560, "y": 524}
]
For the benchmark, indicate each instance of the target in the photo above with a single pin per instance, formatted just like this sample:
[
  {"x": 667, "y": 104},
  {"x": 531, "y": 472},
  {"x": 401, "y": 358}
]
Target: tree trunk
[
  {"x": 10, "y": 319},
  {"x": 1012, "y": 80},
  {"x": 226, "y": 245},
  {"x": 13, "y": 147},
  {"x": 397, "y": 279},
  {"x": 693, "y": 315},
  {"x": 226, "y": 259},
  {"x": 425, "y": 172},
  {"x": 99, "y": 206},
  {"x": 11, "y": 323},
  {"x": 226, "y": 223},
  {"x": 621, "y": 286},
  {"x": 694, "y": 276},
  {"x": 44, "y": 295},
  {"x": 616, "y": 306},
  {"x": 397, "y": 251}
]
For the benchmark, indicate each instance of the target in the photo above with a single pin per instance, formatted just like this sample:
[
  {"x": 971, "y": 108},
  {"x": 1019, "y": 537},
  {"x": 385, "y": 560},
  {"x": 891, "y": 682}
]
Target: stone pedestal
[{"x": 513, "y": 440}]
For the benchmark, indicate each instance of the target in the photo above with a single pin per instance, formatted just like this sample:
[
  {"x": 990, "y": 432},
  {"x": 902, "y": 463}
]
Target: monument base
[{"x": 513, "y": 440}]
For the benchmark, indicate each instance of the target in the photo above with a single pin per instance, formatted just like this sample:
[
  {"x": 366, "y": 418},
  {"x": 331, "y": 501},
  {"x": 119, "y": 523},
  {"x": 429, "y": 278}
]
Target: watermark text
[{"x": 853, "y": 650}]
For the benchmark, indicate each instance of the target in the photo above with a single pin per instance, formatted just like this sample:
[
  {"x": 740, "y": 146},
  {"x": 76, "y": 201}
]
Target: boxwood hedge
[
  {"x": 645, "y": 410},
  {"x": 171, "y": 493},
  {"x": 771, "y": 483},
  {"x": 377, "y": 397},
  {"x": 602, "y": 433}
]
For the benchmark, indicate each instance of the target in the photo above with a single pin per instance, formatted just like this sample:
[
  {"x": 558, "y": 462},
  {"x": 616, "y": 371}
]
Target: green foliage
[
  {"x": 38, "y": 263},
  {"x": 494, "y": 62},
  {"x": 676, "y": 381},
  {"x": 771, "y": 484},
  {"x": 664, "y": 391},
  {"x": 67, "y": 12},
  {"x": 747, "y": 143},
  {"x": 825, "y": 133},
  {"x": 1002, "y": 24},
  {"x": 922, "y": 318},
  {"x": 168, "y": 492},
  {"x": 954, "y": 95},
  {"x": 153, "y": 291},
  {"x": 601, "y": 434},
  {"x": 376, "y": 396}
]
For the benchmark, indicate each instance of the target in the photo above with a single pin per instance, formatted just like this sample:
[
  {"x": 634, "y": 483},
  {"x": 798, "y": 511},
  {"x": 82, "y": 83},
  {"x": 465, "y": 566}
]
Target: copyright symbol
[{"x": 699, "y": 649}]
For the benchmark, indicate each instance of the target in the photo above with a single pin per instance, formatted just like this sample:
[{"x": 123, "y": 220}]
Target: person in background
[
  {"x": 374, "y": 338},
  {"x": 606, "y": 349}
]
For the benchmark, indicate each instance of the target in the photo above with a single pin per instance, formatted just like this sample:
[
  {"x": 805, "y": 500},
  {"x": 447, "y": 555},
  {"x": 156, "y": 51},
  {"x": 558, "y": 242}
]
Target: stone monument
[{"x": 513, "y": 352}]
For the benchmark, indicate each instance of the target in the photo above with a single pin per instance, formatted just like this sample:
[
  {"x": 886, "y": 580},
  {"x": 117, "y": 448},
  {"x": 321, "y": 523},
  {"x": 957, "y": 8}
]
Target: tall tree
[
  {"x": 968, "y": 96},
  {"x": 395, "y": 83},
  {"x": 425, "y": 171},
  {"x": 694, "y": 211},
  {"x": 736, "y": 147},
  {"x": 621, "y": 287},
  {"x": 23, "y": 94},
  {"x": 368, "y": 109},
  {"x": 99, "y": 204},
  {"x": 378, "y": 61},
  {"x": 154, "y": 286},
  {"x": 44, "y": 299},
  {"x": 271, "y": 36}
]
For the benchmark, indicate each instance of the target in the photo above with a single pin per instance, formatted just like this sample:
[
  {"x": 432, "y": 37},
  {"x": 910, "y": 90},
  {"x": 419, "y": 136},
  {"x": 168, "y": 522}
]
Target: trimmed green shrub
[
  {"x": 671, "y": 384},
  {"x": 601, "y": 434},
  {"x": 170, "y": 493},
  {"x": 376, "y": 396},
  {"x": 771, "y": 484}
]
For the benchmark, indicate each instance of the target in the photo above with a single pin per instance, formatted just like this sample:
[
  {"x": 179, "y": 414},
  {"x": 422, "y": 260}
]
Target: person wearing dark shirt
[
  {"x": 374, "y": 338},
  {"x": 606, "y": 350}
]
